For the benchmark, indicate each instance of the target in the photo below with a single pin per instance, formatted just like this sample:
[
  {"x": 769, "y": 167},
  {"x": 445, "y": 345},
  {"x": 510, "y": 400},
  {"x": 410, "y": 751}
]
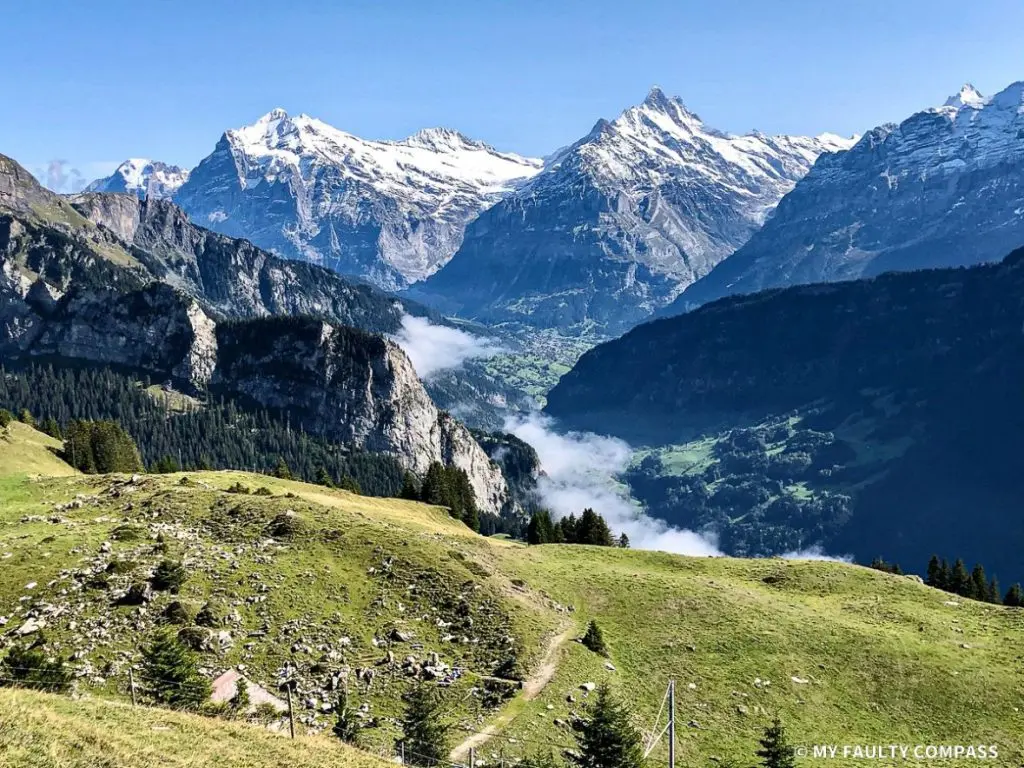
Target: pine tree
[
  {"x": 52, "y": 428},
  {"x": 541, "y": 529},
  {"x": 945, "y": 576},
  {"x": 26, "y": 417},
  {"x": 323, "y": 477},
  {"x": 170, "y": 672},
  {"x": 594, "y": 639},
  {"x": 994, "y": 595},
  {"x": 281, "y": 470},
  {"x": 592, "y": 529},
  {"x": 607, "y": 738},
  {"x": 169, "y": 576},
  {"x": 960, "y": 579},
  {"x": 348, "y": 483},
  {"x": 978, "y": 588},
  {"x": 1014, "y": 597},
  {"x": 624, "y": 541},
  {"x": 775, "y": 751},
  {"x": 424, "y": 731},
  {"x": 410, "y": 487},
  {"x": 6, "y": 417},
  {"x": 346, "y": 727}
]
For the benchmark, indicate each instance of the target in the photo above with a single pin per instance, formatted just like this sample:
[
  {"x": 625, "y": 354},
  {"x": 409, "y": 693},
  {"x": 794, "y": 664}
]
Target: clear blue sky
[{"x": 95, "y": 82}]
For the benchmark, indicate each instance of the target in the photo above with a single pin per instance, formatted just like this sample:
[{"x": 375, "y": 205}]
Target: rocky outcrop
[
  {"x": 357, "y": 388},
  {"x": 234, "y": 278}
]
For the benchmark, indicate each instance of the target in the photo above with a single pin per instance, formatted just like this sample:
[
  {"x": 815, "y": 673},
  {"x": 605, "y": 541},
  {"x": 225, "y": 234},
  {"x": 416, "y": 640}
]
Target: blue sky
[{"x": 94, "y": 83}]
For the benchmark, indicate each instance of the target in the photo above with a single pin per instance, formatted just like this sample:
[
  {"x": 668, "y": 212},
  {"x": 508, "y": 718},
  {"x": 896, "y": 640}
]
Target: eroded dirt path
[{"x": 532, "y": 687}]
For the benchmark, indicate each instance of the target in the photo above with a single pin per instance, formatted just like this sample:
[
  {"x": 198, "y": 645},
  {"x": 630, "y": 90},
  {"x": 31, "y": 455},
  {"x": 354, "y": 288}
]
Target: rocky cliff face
[
  {"x": 132, "y": 284},
  {"x": 358, "y": 388},
  {"x": 232, "y": 277},
  {"x": 388, "y": 211},
  {"x": 621, "y": 222},
  {"x": 943, "y": 188}
]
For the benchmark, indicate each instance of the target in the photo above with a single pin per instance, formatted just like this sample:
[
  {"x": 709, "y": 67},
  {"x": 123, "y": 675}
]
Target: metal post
[
  {"x": 671, "y": 724},
  {"x": 403, "y": 751},
  {"x": 291, "y": 717},
  {"x": 131, "y": 682},
  {"x": 472, "y": 757}
]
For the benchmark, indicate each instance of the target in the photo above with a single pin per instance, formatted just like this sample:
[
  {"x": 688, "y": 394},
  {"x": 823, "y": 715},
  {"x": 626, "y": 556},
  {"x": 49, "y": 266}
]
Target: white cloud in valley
[
  {"x": 432, "y": 348},
  {"x": 578, "y": 472}
]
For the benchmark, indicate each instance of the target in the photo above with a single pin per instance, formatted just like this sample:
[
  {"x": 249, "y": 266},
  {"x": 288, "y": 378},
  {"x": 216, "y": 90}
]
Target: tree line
[
  {"x": 589, "y": 528},
  {"x": 957, "y": 580}
]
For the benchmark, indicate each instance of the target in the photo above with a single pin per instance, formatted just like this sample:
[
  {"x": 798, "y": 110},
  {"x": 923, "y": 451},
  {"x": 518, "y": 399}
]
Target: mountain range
[
  {"x": 600, "y": 234},
  {"x": 943, "y": 188},
  {"x": 622, "y": 221}
]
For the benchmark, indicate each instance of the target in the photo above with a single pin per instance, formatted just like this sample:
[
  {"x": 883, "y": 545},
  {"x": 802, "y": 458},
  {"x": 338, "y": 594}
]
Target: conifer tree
[
  {"x": 592, "y": 529},
  {"x": 26, "y": 417},
  {"x": 323, "y": 477},
  {"x": 281, "y": 470},
  {"x": 607, "y": 738},
  {"x": 51, "y": 428},
  {"x": 594, "y": 639},
  {"x": 541, "y": 529},
  {"x": 775, "y": 751},
  {"x": 6, "y": 417},
  {"x": 624, "y": 541},
  {"x": 945, "y": 576},
  {"x": 934, "y": 576},
  {"x": 978, "y": 588},
  {"x": 424, "y": 730},
  {"x": 348, "y": 483},
  {"x": 1014, "y": 597},
  {"x": 960, "y": 579},
  {"x": 994, "y": 595},
  {"x": 410, "y": 487},
  {"x": 170, "y": 672}
]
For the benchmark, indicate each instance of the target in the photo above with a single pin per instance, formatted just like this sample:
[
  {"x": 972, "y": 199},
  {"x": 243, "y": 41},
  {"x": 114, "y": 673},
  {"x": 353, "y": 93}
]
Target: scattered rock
[
  {"x": 30, "y": 626},
  {"x": 800, "y": 680},
  {"x": 588, "y": 687}
]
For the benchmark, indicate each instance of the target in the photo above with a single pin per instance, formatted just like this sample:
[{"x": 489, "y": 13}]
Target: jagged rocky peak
[
  {"x": 622, "y": 220},
  {"x": 142, "y": 177},
  {"x": 942, "y": 188},
  {"x": 967, "y": 96},
  {"x": 389, "y": 211}
]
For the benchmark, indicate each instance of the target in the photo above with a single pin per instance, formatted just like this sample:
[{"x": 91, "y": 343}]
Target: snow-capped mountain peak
[
  {"x": 621, "y": 221},
  {"x": 392, "y": 211},
  {"x": 967, "y": 96},
  {"x": 142, "y": 177}
]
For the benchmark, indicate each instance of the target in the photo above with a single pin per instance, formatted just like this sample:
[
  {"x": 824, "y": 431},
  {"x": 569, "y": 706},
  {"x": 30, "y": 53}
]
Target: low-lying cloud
[
  {"x": 579, "y": 468},
  {"x": 432, "y": 348}
]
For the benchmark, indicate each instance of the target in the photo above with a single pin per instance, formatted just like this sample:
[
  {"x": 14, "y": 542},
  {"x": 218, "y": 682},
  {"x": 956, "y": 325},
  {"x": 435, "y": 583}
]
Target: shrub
[
  {"x": 262, "y": 491},
  {"x": 6, "y": 417},
  {"x": 176, "y": 613},
  {"x": 237, "y": 487},
  {"x": 284, "y": 525},
  {"x": 29, "y": 668},
  {"x": 193, "y": 637},
  {"x": 169, "y": 576},
  {"x": 208, "y": 616},
  {"x": 128, "y": 532}
]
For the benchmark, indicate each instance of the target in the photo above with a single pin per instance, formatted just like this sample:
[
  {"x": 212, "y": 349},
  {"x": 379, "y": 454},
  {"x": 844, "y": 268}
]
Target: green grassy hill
[
  {"x": 322, "y": 584},
  {"x": 38, "y": 730}
]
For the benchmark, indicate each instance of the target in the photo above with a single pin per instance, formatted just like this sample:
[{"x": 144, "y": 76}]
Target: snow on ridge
[
  {"x": 279, "y": 143},
  {"x": 143, "y": 177}
]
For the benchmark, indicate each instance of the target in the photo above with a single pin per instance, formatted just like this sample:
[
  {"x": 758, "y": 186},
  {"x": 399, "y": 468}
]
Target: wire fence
[{"x": 133, "y": 677}]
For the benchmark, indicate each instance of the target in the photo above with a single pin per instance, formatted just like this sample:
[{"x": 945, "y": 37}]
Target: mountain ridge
[
  {"x": 939, "y": 189},
  {"x": 621, "y": 221}
]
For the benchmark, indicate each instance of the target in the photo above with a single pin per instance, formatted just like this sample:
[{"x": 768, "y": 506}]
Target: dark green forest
[{"x": 218, "y": 435}]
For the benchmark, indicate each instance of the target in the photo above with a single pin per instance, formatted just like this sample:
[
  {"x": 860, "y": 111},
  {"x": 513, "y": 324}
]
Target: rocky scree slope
[
  {"x": 622, "y": 221},
  {"x": 389, "y": 211},
  {"x": 942, "y": 188}
]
